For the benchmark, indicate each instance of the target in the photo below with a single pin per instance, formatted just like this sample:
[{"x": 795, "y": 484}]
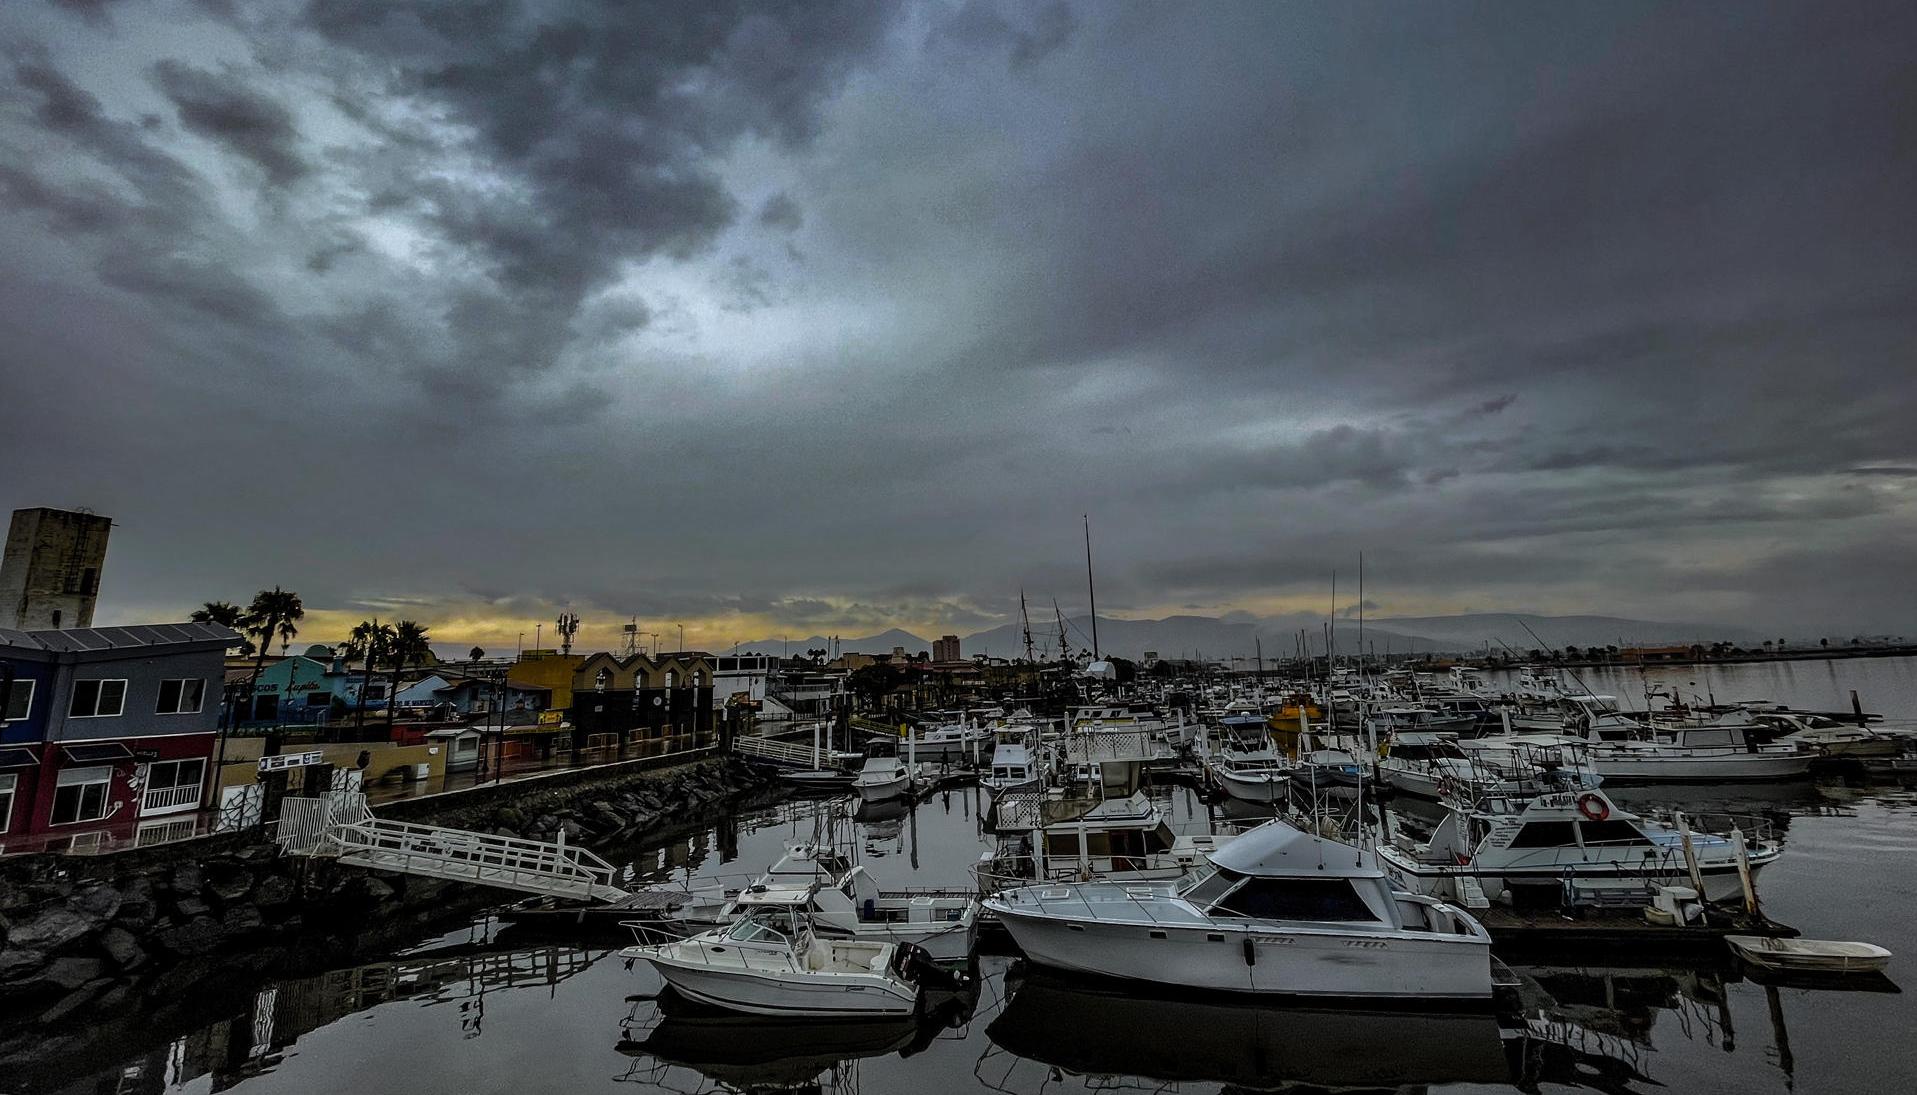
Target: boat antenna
[{"x": 1091, "y": 589}]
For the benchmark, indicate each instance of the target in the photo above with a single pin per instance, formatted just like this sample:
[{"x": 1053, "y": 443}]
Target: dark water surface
[{"x": 474, "y": 1012}]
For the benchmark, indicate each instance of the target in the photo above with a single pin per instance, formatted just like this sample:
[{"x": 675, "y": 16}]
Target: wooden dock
[{"x": 1611, "y": 932}]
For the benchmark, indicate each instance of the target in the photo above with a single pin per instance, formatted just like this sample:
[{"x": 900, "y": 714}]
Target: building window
[
  {"x": 181, "y": 697},
  {"x": 266, "y": 707},
  {"x": 171, "y": 784},
  {"x": 80, "y": 794},
  {"x": 7, "y": 784},
  {"x": 601, "y": 681},
  {"x": 19, "y": 700},
  {"x": 97, "y": 699},
  {"x": 375, "y": 692}
]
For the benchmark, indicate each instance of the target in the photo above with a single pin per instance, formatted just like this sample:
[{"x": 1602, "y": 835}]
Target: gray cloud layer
[{"x": 845, "y": 312}]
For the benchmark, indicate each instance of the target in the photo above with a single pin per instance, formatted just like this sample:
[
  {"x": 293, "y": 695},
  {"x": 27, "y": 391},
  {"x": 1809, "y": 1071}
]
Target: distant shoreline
[{"x": 1904, "y": 650}]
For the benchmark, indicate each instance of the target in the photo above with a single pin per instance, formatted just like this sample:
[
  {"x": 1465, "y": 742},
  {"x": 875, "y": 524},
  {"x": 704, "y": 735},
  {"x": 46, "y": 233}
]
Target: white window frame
[
  {"x": 102, "y": 682},
  {"x": 9, "y": 791},
  {"x": 198, "y": 706},
  {"x": 72, "y": 777},
  {"x": 170, "y": 798},
  {"x": 26, "y": 712}
]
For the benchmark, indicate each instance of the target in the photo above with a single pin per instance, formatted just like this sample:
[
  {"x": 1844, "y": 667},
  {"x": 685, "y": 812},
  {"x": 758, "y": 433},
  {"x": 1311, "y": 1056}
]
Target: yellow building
[{"x": 547, "y": 669}]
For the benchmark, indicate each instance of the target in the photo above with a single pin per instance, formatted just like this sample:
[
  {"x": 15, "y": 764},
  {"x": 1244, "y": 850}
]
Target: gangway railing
[
  {"x": 792, "y": 753},
  {"x": 339, "y": 825}
]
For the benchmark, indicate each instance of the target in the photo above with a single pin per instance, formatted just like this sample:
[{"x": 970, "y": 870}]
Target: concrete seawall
[{"x": 151, "y": 928}]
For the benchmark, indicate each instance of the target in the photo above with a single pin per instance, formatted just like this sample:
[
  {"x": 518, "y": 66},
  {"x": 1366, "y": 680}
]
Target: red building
[{"x": 106, "y": 734}]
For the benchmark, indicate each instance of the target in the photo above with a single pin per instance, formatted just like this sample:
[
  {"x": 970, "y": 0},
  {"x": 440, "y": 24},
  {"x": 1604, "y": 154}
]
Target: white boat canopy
[{"x": 1276, "y": 848}]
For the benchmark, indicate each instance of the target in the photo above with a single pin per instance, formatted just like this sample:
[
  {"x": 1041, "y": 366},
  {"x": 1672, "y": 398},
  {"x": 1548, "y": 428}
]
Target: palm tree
[
  {"x": 410, "y": 646},
  {"x": 476, "y": 653},
  {"x": 370, "y": 640},
  {"x": 274, "y": 613},
  {"x": 225, "y": 614}
]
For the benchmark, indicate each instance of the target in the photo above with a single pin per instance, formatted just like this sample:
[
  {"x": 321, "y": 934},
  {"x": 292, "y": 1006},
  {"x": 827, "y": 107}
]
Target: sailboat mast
[
  {"x": 1361, "y": 617},
  {"x": 1025, "y": 621},
  {"x": 1090, "y": 589}
]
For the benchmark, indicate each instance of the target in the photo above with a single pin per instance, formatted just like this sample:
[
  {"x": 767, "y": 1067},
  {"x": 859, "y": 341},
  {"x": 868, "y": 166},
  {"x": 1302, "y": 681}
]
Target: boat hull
[
  {"x": 1728, "y": 767},
  {"x": 1263, "y": 789},
  {"x": 768, "y": 994},
  {"x": 884, "y": 791},
  {"x": 1277, "y": 962}
]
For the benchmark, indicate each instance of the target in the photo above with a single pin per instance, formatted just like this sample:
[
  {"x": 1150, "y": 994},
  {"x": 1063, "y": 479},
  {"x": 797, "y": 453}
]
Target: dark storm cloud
[
  {"x": 243, "y": 122},
  {"x": 840, "y": 315}
]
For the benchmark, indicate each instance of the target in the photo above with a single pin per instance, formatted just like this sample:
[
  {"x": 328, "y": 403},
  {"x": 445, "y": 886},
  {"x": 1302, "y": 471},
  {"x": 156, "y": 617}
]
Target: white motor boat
[
  {"x": 846, "y": 901},
  {"x": 1576, "y": 839},
  {"x": 1430, "y": 765},
  {"x": 771, "y": 962},
  {"x": 1809, "y": 955},
  {"x": 1699, "y": 754},
  {"x": 884, "y": 776},
  {"x": 1322, "y": 770},
  {"x": 1277, "y": 912},
  {"x": 1247, "y": 766},
  {"x": 952, "y": 742},
  {"x": 1535, "y": 762},
  {"x": 1051, "y": 834},
  {"x": 1017, "y": 760},
  {"x": 1828, "y": 737}
]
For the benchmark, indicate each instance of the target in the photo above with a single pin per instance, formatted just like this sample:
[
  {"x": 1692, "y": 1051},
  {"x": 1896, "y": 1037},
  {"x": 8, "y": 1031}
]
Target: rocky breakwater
[{"x": 153, "y": 931}]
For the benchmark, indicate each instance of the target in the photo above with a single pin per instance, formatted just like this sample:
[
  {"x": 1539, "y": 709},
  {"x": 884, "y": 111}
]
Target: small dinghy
[{"x": 1809, "y": 955}]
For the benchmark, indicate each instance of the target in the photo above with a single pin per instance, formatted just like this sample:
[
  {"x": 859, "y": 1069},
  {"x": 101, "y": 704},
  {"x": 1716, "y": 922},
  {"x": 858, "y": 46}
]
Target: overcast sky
[{"x": 824, "y": 317}]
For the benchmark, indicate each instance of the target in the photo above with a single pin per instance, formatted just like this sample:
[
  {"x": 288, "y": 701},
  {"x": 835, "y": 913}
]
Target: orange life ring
[{"x": 1593, "y": 807}]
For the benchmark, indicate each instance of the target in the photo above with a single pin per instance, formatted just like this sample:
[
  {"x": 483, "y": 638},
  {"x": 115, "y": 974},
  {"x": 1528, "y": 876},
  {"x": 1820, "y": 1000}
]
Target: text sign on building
[{"x": 291, "y": 760}]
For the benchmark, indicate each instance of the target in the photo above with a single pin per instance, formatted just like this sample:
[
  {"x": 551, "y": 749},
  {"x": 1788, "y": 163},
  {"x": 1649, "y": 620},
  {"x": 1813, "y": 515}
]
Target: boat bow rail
[{"x": 341, "y": 826}]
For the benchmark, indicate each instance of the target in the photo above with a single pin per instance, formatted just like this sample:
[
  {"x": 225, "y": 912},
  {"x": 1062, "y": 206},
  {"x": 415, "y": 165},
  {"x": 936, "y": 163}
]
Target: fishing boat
[
  {"x": 1698, "y": 754},
  {"x": 771, "y": 962},
  {"x": 1808, "y": 955},
  {"x": 1247, "y": 766},
  {"x": 1430, "y": 764},
  {"x": 1276, "y": 912},
  {"x": 1055, "y": 833},
  {"x": 884, "y": 776},
  {"x": 1327, "y": 770},
  {"x": 1825, "y": 736},
  {"x": 846, "y": 901},
  {"x": 1575, "y": 842},
  {"x": 1017, "y": 760}
]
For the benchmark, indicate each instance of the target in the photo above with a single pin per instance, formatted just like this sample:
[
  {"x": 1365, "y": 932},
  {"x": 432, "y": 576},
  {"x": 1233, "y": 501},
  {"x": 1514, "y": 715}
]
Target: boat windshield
[
  {"x": 763, "y": 926},
  {"x": 1208, "y": 884}
]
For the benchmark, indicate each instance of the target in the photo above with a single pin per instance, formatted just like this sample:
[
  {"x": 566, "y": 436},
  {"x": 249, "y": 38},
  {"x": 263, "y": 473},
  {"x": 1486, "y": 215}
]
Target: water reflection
[
  {"x": 545, "y": 1016},
  {"x": 1105, "y": 1032},
  {"x": 255, "y": 1039}
]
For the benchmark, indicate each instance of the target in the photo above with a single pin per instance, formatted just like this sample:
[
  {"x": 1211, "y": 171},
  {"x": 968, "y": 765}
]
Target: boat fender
[
  {"x": 1251, "y": 952},
  {"x": 1593, "y": 807}
]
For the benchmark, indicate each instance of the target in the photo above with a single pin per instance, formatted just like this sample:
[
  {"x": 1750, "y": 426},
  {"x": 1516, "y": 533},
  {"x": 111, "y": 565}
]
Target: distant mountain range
[
  {"x": 1473, "y": 631},
  {"x": 1212, "y": 638}
]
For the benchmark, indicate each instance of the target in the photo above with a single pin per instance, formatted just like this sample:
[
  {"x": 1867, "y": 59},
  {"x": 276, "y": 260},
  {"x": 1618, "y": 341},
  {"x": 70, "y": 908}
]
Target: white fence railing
[{"x": 165, "y": 798}]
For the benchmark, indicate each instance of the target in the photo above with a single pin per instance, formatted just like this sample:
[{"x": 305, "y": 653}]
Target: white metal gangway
[
  {"x": 792, "y": 753},
  {"x": 341, "y": 826}
]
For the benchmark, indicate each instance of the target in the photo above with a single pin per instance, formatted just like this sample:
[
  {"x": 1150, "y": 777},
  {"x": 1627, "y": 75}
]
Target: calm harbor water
[{"x": 477, "y": 1011}]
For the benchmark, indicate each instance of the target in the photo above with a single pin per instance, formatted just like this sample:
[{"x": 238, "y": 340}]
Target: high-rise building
[
  {"x": 945, "y": 648},
  {"x": 50, "y": 577}
]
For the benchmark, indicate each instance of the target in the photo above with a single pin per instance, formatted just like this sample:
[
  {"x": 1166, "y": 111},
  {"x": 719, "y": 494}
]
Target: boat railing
[
  {"x": 649, "y": 934},
  {"x": 1755, "y": 829}
]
